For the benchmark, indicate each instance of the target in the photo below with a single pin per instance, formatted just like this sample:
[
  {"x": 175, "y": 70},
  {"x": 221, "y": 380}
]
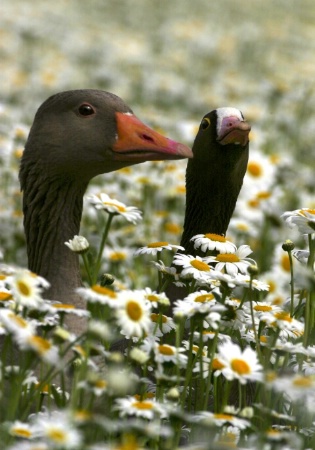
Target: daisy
[
  {"x": 238, "y": 364},
  {"x": 161, "y": 324},
  {"x": 165, "y": 270},
  {"x": 303, "y": 218},
  {"x": 154, "y": 247},
  {"x": 79, "y": 244},
  {"x": 155, "y": 298},
  {"x": 209, "y": 335},
  {"x": 104, "y": 202},
  {"x": 296, "y": 386},
  {"x": 232, "y": 263},
  {"x": 146, "y": 409},
  {"x": 21, "y": 430},
  {"x": 26, "y": 289},
  {"x": 99, "y": 294},
  {"x": 58, "y": 430},
  {"x": 211, "y": 241},
  {"x": 133, "y": 314},
  {"x": 20, "y": 328},
  {"x": 281, "y": 319},
  {"x": 138, "y": 355},
  {"x": 199, "y": 302},
  {"x": 257, "y": 285},
  {"x": 94, "y": 383},
  {"x": 68, "y": 308},
  {"x": 120, "y": 381},
  {"x": 42, "y": 347},
  {"x": 221, "y": 419},
  {"x": 100, "y": 330},
  {"x": 165, "y": 353},
  {"x": 192, "y": 266}
]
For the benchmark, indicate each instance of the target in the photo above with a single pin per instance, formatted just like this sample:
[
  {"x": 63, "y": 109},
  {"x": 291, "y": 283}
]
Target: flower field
[{"x": 231, "y": 364}]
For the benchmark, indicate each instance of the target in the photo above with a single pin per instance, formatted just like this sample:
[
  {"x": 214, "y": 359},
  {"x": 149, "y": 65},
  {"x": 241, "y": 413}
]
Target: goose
[
  {"x": 214, "y": 177},
  {"x": 75, "y": 136}
]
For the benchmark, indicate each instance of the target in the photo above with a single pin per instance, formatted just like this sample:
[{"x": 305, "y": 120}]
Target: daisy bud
[
  {"x": 252, "y": 270},
  {"x": 173, "y": 395},
  {"x": 107, "y": 280},
  {"x": 61, "y": 335},
  {"x": 78, "y": 244},
  {"x": 247, "y": 412},
  {"x": 288, "y": 246},
  {"x": 179, "y": 317},
  {"x": 116, "y": 357},
  {"x": 139, "y": 356}
]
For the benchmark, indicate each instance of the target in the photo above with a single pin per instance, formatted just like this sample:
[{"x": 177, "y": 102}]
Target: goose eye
[
  {"x": 205, "y": 123},
  {"x": 86, "y": 110}
]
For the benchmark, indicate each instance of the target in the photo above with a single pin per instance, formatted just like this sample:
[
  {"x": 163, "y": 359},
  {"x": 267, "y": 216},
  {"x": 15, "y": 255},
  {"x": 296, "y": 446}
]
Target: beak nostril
[{"x": 146, "y": 137}]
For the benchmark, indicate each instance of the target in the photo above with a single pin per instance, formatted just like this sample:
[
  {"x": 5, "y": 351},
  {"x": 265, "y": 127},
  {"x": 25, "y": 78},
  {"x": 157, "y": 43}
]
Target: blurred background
[{"x": 172, "y": 62}]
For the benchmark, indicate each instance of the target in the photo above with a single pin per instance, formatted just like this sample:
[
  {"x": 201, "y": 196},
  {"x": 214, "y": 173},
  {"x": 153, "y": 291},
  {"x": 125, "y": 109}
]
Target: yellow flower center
[
  {"x": 223, "y": 416},
  {"x": 303, "y": 382},
  {"x": 57, "y": 435},
  {"x": 262, "y": 308},
  {"x": 24, "y": 288},
  {"x": 254, "y": 203},
  {"x": 18, "y": 320},
  {"x": 208, "y": 333},
  {"x": 80, "y": 350},
  {"x": 4, "y": 296},
  {"x": 82, "y": 414},
  {"x": 227, "y": 257},
  {"x": 263, "y": 339},
  {"x": 200, "y": 265},
  {"x": 255, "y": 169},
  {"x": 152, "y": 298},
  {"x": 142, "y": 405},
  {"x": 240, "y": 366},
  {"x": 41, "y": 344},
  {"x": 118, "y": 256},
  {"x": 134, "y": 310},
  {"x": 103, "y": 291},
  {"x": 181, "y": 189},
  {"x": 278, "y": 300},
  {"x": 242, "y": 227},
  {"x": 215, "y": 237},
  {"x": 145, "y": 396},
  {"x": 272, "y": 286},
  {"x": 157, "y": 244},
  {"x": 308, "y": 210},
  {"x": 282, "y": 315},
  {"x": 101, "y": 384},
  {"x": 63, "y": 306},
  {"x": 156, "y": 317},
  {"x": 21, "y": 432},
  {"x": 216, "y": 364},
  {"x": 263, "y": 195},
  {"x": 285, "y": 262},
  {"x": 166, "y": 350},
  {"x": 173, "y": 228},
  {"x": 204, "y": 298},
  {"x": 120, "y": 208}
]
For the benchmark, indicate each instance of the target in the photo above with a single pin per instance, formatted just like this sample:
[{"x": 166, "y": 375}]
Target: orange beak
[{"x": 136, "y": 142}]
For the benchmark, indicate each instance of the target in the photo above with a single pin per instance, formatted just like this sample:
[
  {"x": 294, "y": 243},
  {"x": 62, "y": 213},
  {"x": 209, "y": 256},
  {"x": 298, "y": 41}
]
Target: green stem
[
  {"x": 253, "y": 320},
  {"x": 101, "y": 249},
  {"x": 211, "y": 354},
  {"x": 292, "y": 284},
  {"x": 87, "y": 268},
  {"x": 309, "y": 308},
  {"x": 190, "y": 364}
]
